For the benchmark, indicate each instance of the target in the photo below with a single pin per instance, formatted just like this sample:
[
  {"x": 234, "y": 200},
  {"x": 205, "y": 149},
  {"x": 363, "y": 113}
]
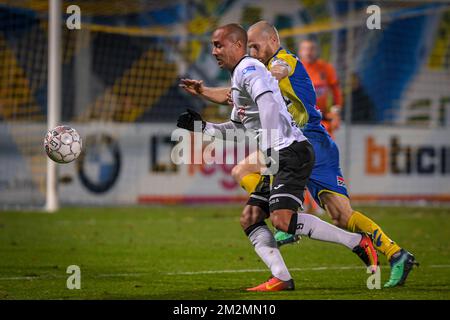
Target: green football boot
[
  {"x": 401, "y": 266},
  {"x": 283, "y": 238}
]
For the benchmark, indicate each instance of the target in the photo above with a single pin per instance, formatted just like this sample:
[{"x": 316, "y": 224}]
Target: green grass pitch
[{"x": 190, "y": 252}]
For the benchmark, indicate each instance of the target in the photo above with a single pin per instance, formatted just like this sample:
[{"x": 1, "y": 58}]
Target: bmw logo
[{"x": 99, "y": 165}]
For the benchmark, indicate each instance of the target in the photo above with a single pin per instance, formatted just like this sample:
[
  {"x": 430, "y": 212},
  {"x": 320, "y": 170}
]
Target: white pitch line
[
  {"x": 49, "y": 276},
  {"x": 290, "y": 269},
  {"x": 18, "y": 278},
  {"x": 137, "y": 274},
  {"x": 439, "y": 266},
  {"x": 113, "y": 275},
  {"x": 260, "y": 270}
]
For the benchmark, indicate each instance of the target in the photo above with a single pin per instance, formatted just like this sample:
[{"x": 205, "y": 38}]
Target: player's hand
[
  {"x": 194, "y": 87},
  {"x": 186, "y": 120},
  {"x": 229, "y": 98}
]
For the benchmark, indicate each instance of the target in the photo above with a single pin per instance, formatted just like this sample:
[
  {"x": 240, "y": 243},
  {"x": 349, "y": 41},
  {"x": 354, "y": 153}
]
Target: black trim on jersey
[
  {"x": 246, "y": 56},
  {"x": 259, "y": 95},
  {"x": 234, "y": 121}
]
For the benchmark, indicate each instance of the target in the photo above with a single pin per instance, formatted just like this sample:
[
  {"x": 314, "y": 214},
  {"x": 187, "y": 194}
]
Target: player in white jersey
[
  {"x": 260, "y": 108},
  {"x": 250, "y": 81}
]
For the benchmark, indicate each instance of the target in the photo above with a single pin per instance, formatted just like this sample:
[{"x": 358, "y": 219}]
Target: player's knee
[
  {"x": 343, "y": 214},
  {"x": 238, "y": 172},
  {"x": 280, "y": 219},
  {"x": 333, "y": 213},
  {"x": 275, "y": 220},
  {"x": 338, "y": 218},
  {"x": 344, "y": 218},
  {"x": 250, "y": 216},
  {"x": 338, "y": 208}
]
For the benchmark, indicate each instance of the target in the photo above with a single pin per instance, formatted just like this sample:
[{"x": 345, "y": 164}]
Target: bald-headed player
[
  {"x": 259, "y": 109},
  {"x": 326, "y": 182}
]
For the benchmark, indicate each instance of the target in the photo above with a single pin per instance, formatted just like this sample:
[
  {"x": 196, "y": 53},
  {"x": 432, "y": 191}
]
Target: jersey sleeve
[
  {"x": 219, "y": 130},
  {"x": 255, "y": 80}
]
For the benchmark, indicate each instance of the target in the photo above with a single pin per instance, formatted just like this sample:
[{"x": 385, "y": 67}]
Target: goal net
[{"x": 119, "y": 89}]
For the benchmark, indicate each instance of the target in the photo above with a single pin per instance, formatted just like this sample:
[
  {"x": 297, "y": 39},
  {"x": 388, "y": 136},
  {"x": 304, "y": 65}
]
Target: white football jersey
[{"x": 249, "y": 80}]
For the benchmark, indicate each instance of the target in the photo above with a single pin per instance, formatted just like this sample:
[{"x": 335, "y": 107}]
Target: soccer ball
[{"x": 62, "y": 144}]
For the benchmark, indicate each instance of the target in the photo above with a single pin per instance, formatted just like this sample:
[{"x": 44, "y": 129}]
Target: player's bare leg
[{"x": 343, "y": 215}]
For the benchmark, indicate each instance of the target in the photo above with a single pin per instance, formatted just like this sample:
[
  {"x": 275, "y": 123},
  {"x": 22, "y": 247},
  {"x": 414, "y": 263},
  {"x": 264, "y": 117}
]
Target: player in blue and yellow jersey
[{"x": 326, "y": 184}]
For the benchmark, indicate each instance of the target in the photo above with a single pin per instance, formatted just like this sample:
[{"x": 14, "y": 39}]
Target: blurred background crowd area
[
  {"x": 119, "y": 88},
  {"x": 125, "y": 62}
]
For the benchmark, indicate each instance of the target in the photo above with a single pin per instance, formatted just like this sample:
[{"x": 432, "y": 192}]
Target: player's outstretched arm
[
  {"x": 187, "y": 120},
  {"x": 197, "y": 88}
]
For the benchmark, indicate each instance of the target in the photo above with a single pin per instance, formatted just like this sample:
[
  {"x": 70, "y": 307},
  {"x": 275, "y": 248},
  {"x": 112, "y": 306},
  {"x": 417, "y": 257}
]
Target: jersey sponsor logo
[
  {"x": 278, "y": 186},
  {"x": 273, "y": 201},
  {"x": 248, "y": 69},
  {"x": 341, "y": 181}
]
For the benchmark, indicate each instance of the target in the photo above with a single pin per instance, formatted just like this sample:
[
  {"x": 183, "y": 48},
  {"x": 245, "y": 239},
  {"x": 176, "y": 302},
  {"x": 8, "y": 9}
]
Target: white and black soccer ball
[{"x": 63, "y": 144}]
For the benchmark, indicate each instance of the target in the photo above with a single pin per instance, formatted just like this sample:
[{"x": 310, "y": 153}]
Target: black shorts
[{"x": 288, "y": 184}]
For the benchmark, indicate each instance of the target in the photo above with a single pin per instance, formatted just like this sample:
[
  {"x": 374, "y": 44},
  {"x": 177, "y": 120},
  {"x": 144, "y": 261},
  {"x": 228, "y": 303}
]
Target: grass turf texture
[{"x": 138, "y": 253}]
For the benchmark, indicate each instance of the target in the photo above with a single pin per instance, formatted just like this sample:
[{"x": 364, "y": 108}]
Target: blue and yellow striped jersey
[{"x": 297, "y": 89}]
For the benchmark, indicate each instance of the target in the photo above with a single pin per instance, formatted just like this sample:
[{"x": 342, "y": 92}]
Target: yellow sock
[
  {"x": 381, "y": 242},
  {"x": 250, "y": 182}
]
